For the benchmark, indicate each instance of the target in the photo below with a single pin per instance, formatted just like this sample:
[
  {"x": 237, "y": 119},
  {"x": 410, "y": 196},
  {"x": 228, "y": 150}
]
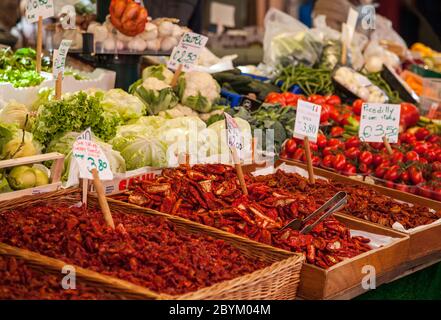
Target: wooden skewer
[
  {"x": 102, "y": 198},
  {"x": 309, "y": 160},
  {"x": 58, "y": 86},
  {"x": 84, "y": 184},
  {"x": 387, "y": 145},
  {"x": 39, "y": 42},
  {"x": 176, "y": 76},
  {"x": 239, "y": 171},
  {"x": 253, "y": 150},
  {"x": 343, "y": 53}
]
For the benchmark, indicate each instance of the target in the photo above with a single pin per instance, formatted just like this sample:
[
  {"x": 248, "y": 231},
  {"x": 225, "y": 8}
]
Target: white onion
[
  {"x": 165, "y": 29},
  {"x": 168, "y": 43}
]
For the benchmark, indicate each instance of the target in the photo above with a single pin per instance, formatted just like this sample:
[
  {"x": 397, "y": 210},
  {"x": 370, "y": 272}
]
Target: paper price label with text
[
  {"x": 60, "y": 57},
  {"x": 379, "y": 120},
  {"x": 307, "y": 120},
  {"x": 37, "y": 8},
  {"x": 187, "y": 52},
  {"x": 234, "y": 138},
  {"x": 89, "y": 155}
]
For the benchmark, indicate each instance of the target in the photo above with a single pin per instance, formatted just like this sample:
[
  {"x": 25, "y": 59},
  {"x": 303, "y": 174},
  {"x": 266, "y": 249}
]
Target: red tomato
[
  {"x": 339, "y": 162},
  {"x": 377, "y": 159},
  {"x": 274, "y": 97},
  {"x": 321, "y": 141},
  {"x": 422, "y": 133},
  {"x": 334, "y": 142},
  {"x": 290, "y": 98},
  {"x": 298, "y": 154},
  {"x": 381, "y": 170},
  {"x": 352, "y": 153},
  {"x": 290, "y": 146},
  {"x": 407, "y": 137},
  {"x": 416, "y": 175},
  {"x": 405, "y": 177},
  {"x": 334, "y": 100},
  {"x": 363, "y": 168},
  {"x": 434, "y": 138},
  {"x": 284, "y": 155},
  {"x": 393, "y": 173},
  {"x": 334, "y": 114},
  {"x": 350, "y": 169},
  {"x": 423, "y": 161},
  {"x": 409, "y": 115},
  {"x": 420, "y": 147},
  {"x": 436, "y": 193},
  {"x": 366, "y": 157},
  {"x": 344, "y": 119},
  {"x": 377, "y": 145},
  {"x": 436, "y": 166},
  {"x": 313, "y": 146},
  {"x": 337, "y": 132},
  {"x": 402, "y": 187},
  {"x": 352, "y": 142},
  {"x": 356, "y": 106},
  {"x": 317, "y": 99},
  {"x": 315, "y": 161},
  {"x": 327, "y": 161},
  {"x": 436, "y": 175},
  {"x": 425, "y": 191},
  {"x": 412, "y": 156},
  {"x": 397, "y": 157},
  {"x": 325, "y": 113},
  {"x": 431, "y": 155},
  {"x": 330, "y": 150}
]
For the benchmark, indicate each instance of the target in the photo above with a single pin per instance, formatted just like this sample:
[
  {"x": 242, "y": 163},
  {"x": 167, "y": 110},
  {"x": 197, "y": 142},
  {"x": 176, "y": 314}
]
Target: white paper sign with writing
[
  {"x": 307, "y": 120},
  {"x": 379, "y": 120},
  {"x": 39, "y": 8},
  {"x": 89, "y": 155},
  {"x": 60, "y": 57},
  {"x": 187, "y": 52},
  {"x": 234, "y": 138}
]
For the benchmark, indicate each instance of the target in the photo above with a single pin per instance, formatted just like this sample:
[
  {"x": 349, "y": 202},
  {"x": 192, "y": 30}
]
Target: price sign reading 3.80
[
  {"x": 307, "y": 120},
  {"x": 89, "y": 155},
  {"x": 378, "y": 121}
]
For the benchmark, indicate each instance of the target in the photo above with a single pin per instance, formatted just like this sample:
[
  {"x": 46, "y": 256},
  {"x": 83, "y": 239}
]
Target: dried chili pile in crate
[
  {"x": 144, "y": 250},
  {"x": 19, "y": 281},
  {"x": 211, "y": 194},
  {"x": 363, "y": 202}
]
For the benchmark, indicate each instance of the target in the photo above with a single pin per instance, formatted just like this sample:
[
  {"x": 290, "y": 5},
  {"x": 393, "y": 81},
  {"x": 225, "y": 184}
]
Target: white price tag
[
  {"x": 89, "y": 155},
  {"x": 379, "y": 120},
  {"x": 307, "y": 120},
  {"x": 187, "y": 52},
  {"x": 234, "y": 138},
  {"x": 351, "y": 23},
  {"x": 59, "y": 59},
  {"x": 39, "y": 8}
]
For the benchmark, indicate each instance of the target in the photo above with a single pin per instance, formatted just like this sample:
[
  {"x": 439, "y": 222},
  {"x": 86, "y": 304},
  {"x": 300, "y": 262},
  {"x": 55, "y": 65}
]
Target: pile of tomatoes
[{"x": 415, "y": 160}]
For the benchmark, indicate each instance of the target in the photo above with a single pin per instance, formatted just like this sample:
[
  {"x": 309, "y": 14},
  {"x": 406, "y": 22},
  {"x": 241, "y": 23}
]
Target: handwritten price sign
[
  {"x": 39, "y": 8},
  {"x": 89, "y": 155},
  {"x": 60, "y": 57},
  {"x": 186, "y": 53},
  {"x": 307, "y": 120},
  {"x": 379, "y": 120},
  {"x": 234, "y": 138}
]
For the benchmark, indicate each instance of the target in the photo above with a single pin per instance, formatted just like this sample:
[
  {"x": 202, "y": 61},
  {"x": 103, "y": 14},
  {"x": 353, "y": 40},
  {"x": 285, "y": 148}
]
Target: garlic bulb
[{"x": 168, "y": 43}]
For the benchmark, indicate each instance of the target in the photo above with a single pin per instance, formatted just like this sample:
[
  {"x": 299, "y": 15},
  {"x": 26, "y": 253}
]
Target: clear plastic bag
[{"x": 286, "y": 37}]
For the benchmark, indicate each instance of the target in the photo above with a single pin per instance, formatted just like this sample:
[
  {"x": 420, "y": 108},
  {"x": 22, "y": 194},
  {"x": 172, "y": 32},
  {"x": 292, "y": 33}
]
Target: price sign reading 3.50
[
  {"x": 378, "y": 121},
  {"x": 307, "y": 120},
  {"x": 89, "y": 155}
]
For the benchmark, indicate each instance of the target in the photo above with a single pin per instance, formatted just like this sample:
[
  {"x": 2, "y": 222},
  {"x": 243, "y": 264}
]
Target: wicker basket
[{"x": 278, "y": 281}]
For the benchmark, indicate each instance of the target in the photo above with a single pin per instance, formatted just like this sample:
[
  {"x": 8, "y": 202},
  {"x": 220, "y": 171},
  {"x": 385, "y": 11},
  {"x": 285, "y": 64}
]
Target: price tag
[
  {"x": 89, "y": 155},
  {"x": 39, "y": 8},
  {"x": 307, "y": 120},
  {"x": 351, "y": 22},
  {"x": 187, "y": 52},
  {"x": 379, "y": 120},
  {"x": 234, "y": 138},
  {"x": 59, "y": 59}
]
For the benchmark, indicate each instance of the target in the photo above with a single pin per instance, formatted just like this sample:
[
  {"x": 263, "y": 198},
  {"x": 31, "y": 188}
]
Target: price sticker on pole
[
  {"x": 89, "y": 155},
  {"x": 39, "y": 8},
  {"x": 234, "y": 138},
  {"x": 379, "y": 122},
  {"x": 187, "y": 52},
  {"x": 307, "y": 120},
  {"x": 59, "y": 58}
]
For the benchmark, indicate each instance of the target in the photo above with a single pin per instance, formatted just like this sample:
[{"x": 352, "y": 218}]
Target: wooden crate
[
  {"x": 56, "y": 170},
  {"x": 423, "y": 242},
  {"x": 318, "y": 283}
]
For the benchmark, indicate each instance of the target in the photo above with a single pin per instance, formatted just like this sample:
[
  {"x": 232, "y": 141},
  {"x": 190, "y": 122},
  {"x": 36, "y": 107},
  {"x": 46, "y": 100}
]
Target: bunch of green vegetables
[
  {"x": 19, "y": 67},
  {"x": 311, "y": 80},
  {"x": 377, "y": 79},
  {"x": 268, "y": 116},
  {"x": 234, "y": 82}
]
